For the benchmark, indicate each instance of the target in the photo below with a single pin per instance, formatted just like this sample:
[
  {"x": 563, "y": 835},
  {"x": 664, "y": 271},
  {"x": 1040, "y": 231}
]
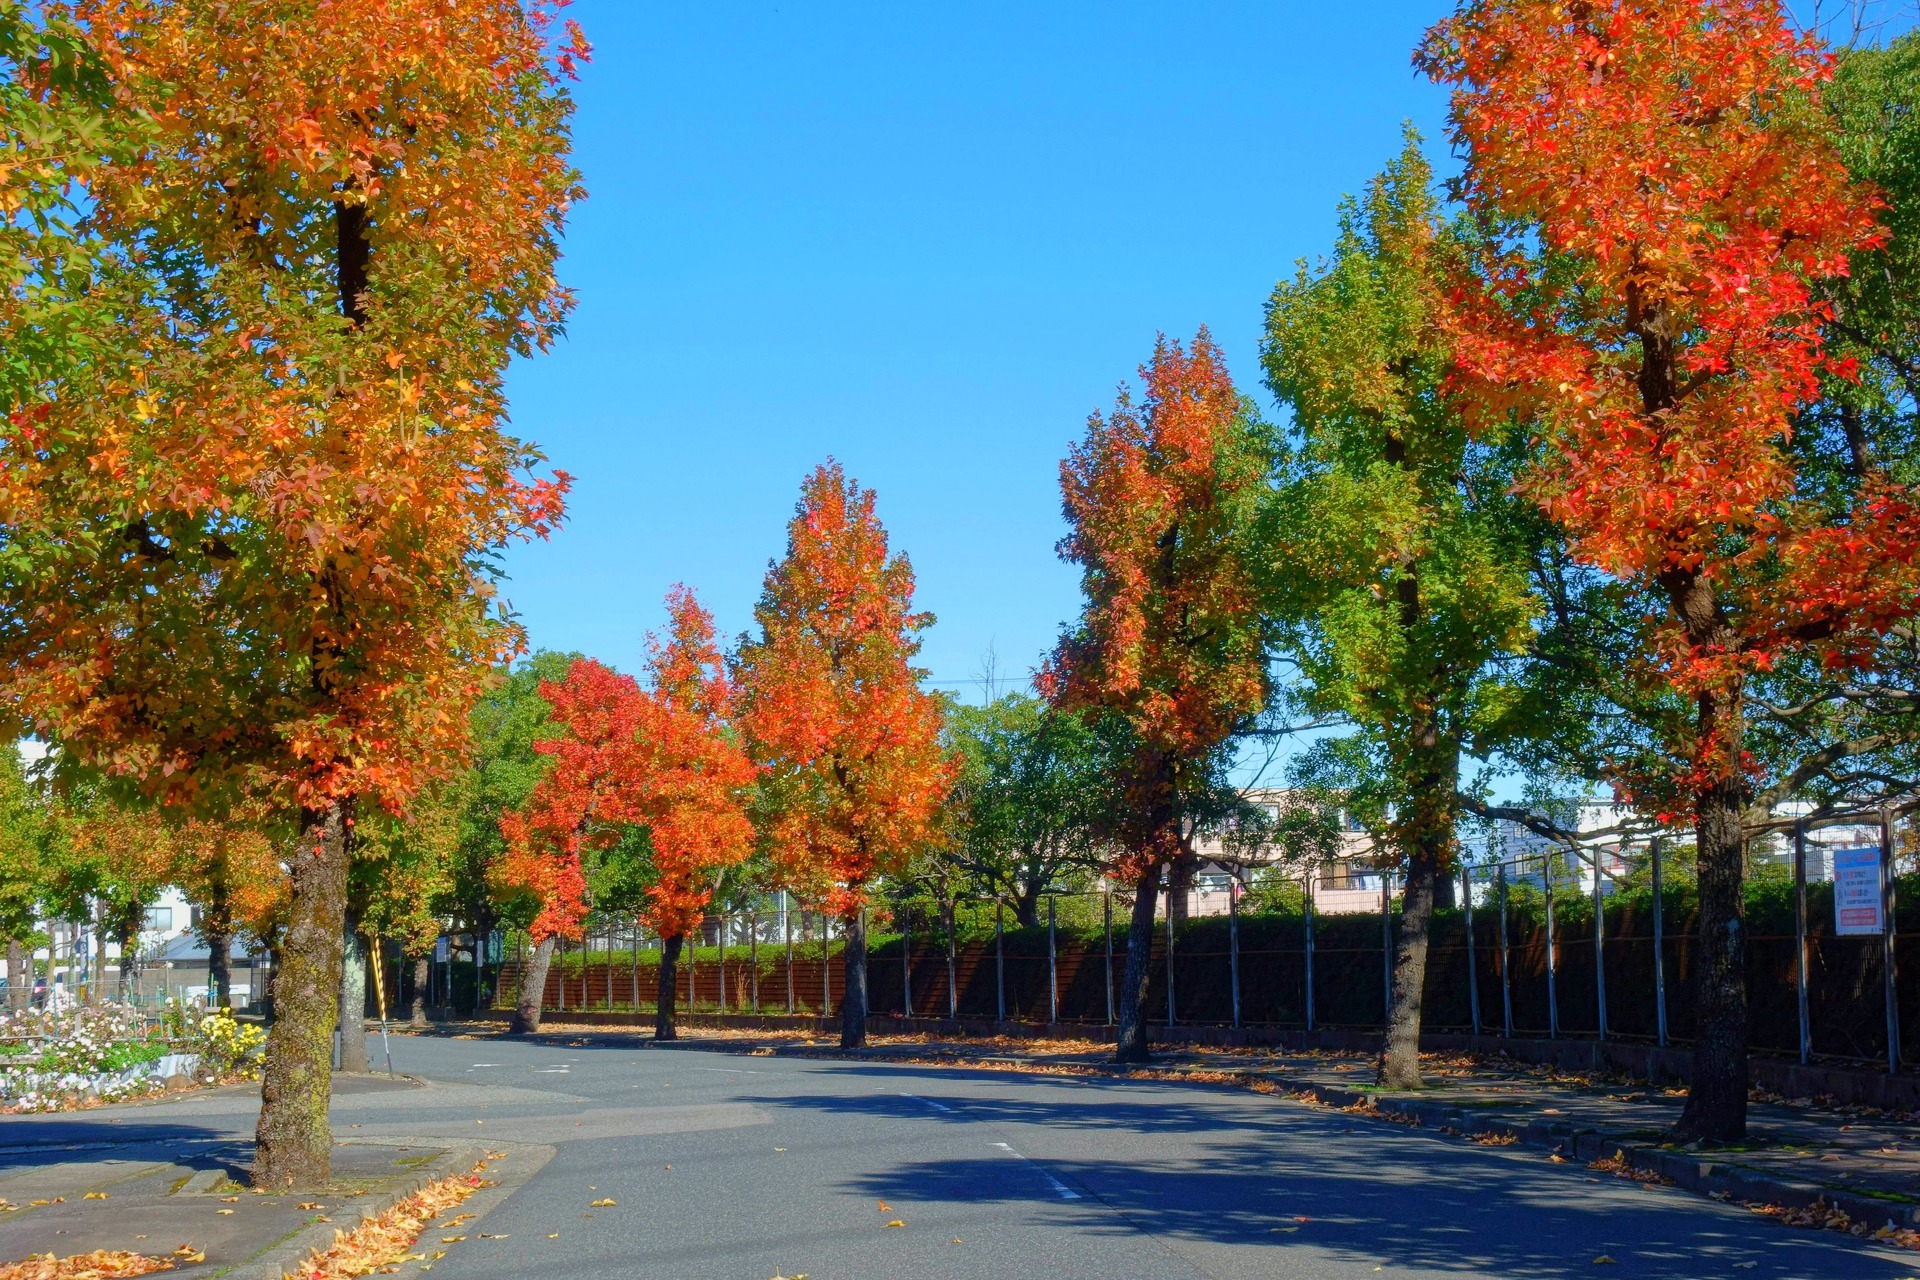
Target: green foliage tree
[{"x": 1399, "y": 568}]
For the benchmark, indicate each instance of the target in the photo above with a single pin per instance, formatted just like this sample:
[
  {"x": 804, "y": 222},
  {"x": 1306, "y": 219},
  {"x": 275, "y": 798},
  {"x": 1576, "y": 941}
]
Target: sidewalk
[{"x": 1806, "y": 1163}]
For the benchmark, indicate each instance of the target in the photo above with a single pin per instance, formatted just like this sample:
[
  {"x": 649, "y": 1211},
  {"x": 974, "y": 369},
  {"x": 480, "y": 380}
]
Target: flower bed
[{"x": 57, "y": 1060}]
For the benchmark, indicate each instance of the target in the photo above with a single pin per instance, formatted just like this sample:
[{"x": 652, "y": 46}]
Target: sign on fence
[{"x": 1856, "y": 890}]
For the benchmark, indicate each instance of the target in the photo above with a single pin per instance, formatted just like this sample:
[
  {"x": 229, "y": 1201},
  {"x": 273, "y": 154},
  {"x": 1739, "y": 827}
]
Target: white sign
[{"x": 1856, "y": 890}]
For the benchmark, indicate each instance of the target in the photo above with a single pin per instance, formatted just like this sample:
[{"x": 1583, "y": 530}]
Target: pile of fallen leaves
[
  {"x": 381, "y": 1243},
  {"x": 101, "y": 1264},
  {"x": 1618, "y": 1165},
  {"x": 1826, "y": 1217}
]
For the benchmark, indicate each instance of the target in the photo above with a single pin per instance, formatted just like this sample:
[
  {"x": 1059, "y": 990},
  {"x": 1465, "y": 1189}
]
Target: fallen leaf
[
  {"x": 553, "y": 1235},
  {"x": 223, "y": 1211},
  {"x": 488, "y": 1236},
  {"x": 885, "y": 1208},
  {"x": 896, "y": 1223},
  {"x": 223, "y": 1199},
  {"x": 311, "y": 1204},
  {"x": 1287, "y": 1230},
  {"x": 1298, "y": 1218},
  {"x": 1745, "y": 1266},
  {"x": 451, "y": 1239},
  {"x": 1603, "y": 1261},
  {"x": 779, "y": 1148},
  {"x": 94, "y": 1195},
  {"x": 1557, "y": 1158},
  {"x": 956, "y": 1239},
  {"x": 603, "y": 1204}
]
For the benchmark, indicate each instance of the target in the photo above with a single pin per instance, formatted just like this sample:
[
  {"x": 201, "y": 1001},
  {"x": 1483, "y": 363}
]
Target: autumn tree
[
  {"x": 831, "y": 703},
  {"x": 249, "y": 540},
  {"x": 1670, "y": 196},
  {"x": 1399, "y": 565},
  {"x": 1160, "y": 501},
  {"x": 25, "y": 819}
]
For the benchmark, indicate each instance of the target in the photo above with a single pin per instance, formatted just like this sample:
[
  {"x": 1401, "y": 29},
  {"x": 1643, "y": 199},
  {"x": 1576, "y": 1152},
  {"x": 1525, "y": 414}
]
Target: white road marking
[
  {"x": 483, "y": 1064},
  {"x": 937, "y": 1106},
  {"x": 1062, "y": 1189},
  {"x": 561, "y": 1070}
]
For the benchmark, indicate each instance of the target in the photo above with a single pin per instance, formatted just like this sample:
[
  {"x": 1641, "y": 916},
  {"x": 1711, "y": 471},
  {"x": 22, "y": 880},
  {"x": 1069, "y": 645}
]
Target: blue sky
[{"x": 927, "y": 241}]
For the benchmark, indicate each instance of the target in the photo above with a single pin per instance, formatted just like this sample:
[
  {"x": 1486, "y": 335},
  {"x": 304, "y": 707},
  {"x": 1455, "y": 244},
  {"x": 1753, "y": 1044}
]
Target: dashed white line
[
  {"x": 937, "y": 1106},
  {"x": 1060, "y": 1188}
]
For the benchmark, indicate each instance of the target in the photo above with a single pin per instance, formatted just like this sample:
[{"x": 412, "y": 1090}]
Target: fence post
[
  {"x": 1506, "y": 973},
  {"x": 953, "y": 971},
  {"x": 1599, "y": 951},
  {"x": 1107, "y": 910},
  {"x": 1659, "y": 948},
  {"x": 1887, "y": 905},
  {"x": 753, "y": 956},
  {"x": 1053, "y": 973},
  {"x": 1233, "y": 943},
  {"x": 906, "y": 963},
  {"x": 786, "y": 927},
  {"x": 999, "y": 961},
  {"x": 1170, "y": 1015},
  {"x": 826, "y": 965},
  {"x": 693, "y": 943},
  {"x": 1386, "y": 947},
  {"x": 720, "y": 933},
  {"x": 1473, "y": 967},
  {"x": 1553, "y": 985},
  {"x": 1800, "y": 936},
  {"x": 1306, "y": 922}
]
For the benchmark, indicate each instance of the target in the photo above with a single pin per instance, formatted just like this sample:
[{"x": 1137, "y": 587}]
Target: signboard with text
[{"x": 1856, "y": 890}]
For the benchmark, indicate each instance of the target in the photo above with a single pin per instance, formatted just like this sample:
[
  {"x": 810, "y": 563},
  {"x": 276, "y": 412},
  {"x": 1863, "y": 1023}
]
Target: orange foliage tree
[
  {"x": 248, "y": 536},
  {"x": 855, "y": 774},
  {"x": 1664, "y": 196},
  {"x": 1161, "y": 501},
  {"x": 663, "y": 760}
]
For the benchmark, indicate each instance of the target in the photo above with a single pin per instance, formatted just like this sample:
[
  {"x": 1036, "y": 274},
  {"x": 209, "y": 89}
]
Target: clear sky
[{"x": 928, "y": 241}]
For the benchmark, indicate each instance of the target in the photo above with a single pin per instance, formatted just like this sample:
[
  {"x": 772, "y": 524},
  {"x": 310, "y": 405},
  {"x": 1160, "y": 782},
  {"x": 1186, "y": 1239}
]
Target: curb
[
  {"x": 277, "y": 1260},
  {"x": 1712, "y": 1175}
]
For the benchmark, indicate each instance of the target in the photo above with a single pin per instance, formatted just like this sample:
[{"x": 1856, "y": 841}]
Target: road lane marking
[
  {"x": 937, "y": 1106},
  {"x": 1062, "y": 1189}
]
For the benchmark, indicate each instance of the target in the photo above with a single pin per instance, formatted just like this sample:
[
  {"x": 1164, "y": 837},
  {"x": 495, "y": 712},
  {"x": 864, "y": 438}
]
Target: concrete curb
[
  {"x": 1713, "y": 1174},
  {"x": 278, "y": 1259}
]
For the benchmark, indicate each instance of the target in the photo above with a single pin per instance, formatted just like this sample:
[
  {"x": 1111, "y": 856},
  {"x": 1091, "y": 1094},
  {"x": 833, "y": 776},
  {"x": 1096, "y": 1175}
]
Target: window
[{"x": 159, "y": 919}]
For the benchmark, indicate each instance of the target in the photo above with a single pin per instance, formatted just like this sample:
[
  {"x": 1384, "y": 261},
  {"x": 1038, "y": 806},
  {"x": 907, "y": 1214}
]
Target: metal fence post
[
  {"x": 720, "y": 933},
  {"x": 1107, "y": 911},
  {"x": 786, "y": 927},
  {"x": 906, "y": 963},
  {"x": 1306, "y": 923},
  {"x": 753, "y": 956},
  {"x": 1553, "y": 986},
  {"x": 1800, "y": 936},
  {"x": 1170, "y": 1014},
  {"x": 1000, "y": 960},
  {"x": 1233, "y": 944},
  {"x": 1599, "y": 951},
  {"x": 1506, "y": 972},
  {"x": 1887, "y": 905},
  {"x": 1473, "y": 967},
  {"x": 1053, "y": 972},
  {"x": 953, "y": 970},
  {"x": 826, "y": 965},
  {"x": 1659, "y": 948},
  {"x": 1386, "y": 947}
]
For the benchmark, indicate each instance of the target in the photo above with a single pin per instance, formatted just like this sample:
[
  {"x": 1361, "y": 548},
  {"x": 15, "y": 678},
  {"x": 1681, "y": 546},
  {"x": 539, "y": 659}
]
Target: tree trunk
[
  {"x": 97, "y": 980},
  {"x": 1130, "y": 1039},
  {"x": 293, "y": 1144},
  {"x": 1026, "y": 905},
  {"x": 353, "y": 999},
  {"x": 219, "y": 968},
  {"x": 853, "y": 1001},
  {"x": 1180, "y": 874},
  {"x": 19, "y": 977},
  {"x": 1400, "y": 1053},
  {"x": 129, "y": 940},
  {"x": 1716, "y": 1109},
  {"x": 667, "y": 988},
  {"x": 421, "y": 972},
  {"x": 533, "y": 988}
]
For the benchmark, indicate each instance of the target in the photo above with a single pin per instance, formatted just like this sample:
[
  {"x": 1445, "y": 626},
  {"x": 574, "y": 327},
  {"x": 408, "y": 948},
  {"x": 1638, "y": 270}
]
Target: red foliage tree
[
  {"x": 1160, "y": 500},
  {"x": 1670, "y": 199},
  {"x": 664, "y": 759},
  {"x": 854, "y": 769}
]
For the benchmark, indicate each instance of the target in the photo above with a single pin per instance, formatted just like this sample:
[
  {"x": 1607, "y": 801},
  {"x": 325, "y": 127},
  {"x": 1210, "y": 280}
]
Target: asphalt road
[{"x": 739, "y": 1168}]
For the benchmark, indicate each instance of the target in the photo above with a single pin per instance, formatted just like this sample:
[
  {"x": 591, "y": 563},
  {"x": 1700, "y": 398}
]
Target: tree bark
[
  {"x": 293, "y": 1143},
  {"x": 422, "y": 969},
  {"x": 353, "y": 999},
  {"x": 19, "y": 977},
  {"x": 666, "y": 990},
  {"x": 219, "y": 968},
  {"x": 1716, "y": 1109},
  {"x": 533, "y": 988},
  {"x": 1130, "y": 1038},
  {"x": 1400, "y": 1053},
  {"x": 97, "y": 984},
  {"x": 853, "y": 1001}
]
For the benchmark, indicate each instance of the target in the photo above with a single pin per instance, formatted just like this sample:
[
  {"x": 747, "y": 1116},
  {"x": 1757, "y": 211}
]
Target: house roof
[{"x": 188, "y": 948}]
